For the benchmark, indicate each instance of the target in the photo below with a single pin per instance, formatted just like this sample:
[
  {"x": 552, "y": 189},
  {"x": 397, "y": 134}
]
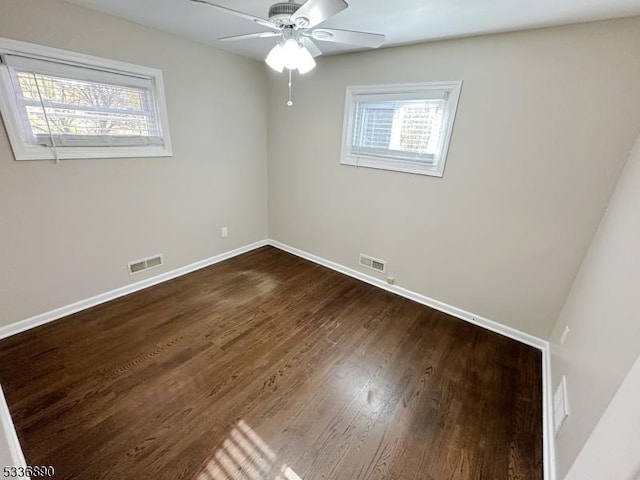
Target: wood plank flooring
[{"x": 267, "y": 366}]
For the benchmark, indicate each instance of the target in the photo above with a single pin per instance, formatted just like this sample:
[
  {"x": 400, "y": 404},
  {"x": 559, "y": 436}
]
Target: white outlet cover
[{"x": 224, "y": 232}]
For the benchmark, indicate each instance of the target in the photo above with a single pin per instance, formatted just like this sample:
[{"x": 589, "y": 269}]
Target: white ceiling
[{"x": 402, "y": 21}]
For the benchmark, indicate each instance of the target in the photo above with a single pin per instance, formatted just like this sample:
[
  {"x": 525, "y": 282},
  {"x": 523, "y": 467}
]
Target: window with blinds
[
  {"x": 56, "y": 107},
  {"x": 400, "y": 127}
]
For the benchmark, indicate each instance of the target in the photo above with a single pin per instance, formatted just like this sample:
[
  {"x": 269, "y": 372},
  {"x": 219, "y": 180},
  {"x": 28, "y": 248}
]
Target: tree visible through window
[
  {"x": 58, "y": 104},
  {"x": 419, "y": 126},
  {"x": 77, "y": 108}
]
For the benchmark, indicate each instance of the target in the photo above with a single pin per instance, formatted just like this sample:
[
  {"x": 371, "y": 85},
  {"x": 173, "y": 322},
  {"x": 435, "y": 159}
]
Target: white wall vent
[
  {"x": 145, "y": 264},
  {"x": 373, "y": 263}
]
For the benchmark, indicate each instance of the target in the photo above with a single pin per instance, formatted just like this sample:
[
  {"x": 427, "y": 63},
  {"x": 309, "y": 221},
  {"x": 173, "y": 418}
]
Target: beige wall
[
  {"x": 544, "y": 126},
  {"x": 612, "y": 449},
  {"x": 601, "y": 313},
  {"x": 545, "y": 122},
  {"x": 68, "y": 231}
]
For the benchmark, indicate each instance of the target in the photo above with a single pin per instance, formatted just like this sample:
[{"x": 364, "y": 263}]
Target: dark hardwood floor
[{"x": 267, "y": 366}]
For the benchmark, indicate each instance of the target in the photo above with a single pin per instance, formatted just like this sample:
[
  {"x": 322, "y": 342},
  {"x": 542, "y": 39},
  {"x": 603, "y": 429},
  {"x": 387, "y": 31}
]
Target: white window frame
[
  {"x": 11, "y": 115},
  {"x": 391, "y": 92}
]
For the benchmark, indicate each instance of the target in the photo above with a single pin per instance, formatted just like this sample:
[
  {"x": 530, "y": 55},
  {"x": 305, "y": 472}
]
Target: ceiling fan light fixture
[
  {"x": 306, "y": 62},
  {"x": 276, "y": 58},
  {"x": 290, "y": 55}
]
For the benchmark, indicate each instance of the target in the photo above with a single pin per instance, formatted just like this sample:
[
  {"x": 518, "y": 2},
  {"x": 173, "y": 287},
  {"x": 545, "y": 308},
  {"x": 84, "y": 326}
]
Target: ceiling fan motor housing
[{"x": 280, "y": 13}]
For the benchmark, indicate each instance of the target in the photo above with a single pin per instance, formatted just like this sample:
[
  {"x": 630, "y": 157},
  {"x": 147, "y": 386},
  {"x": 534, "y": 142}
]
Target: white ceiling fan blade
[
  {"x": 362, "y": 39},
  {"x": 254, "y": 19},
  {"x": 312, "y": 47},
  {"x": 314, "y": 12},
  {"x": 250, "y": 35}
]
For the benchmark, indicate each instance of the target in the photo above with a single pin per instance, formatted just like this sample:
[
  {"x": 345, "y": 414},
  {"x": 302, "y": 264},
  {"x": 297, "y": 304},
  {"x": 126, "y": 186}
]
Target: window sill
[
  {"x": 69, "y": 153},
  {"x": 393, "y": 165}
]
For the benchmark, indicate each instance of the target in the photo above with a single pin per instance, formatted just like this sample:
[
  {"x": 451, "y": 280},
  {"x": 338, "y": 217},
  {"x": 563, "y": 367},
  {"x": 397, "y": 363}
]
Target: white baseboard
[
  {"x": 522, "y": 337},
  {"x": 496, "y": 327},
  {"x": 57, "y": 313},
  {"x": 548, "y": 431},
  {"x": 549, "y": 451},
  {"x": 7, "y": 429},
  {"x": 9, "y": 436}
]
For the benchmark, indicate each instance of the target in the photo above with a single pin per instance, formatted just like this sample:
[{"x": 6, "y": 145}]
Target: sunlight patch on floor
[{"x": 245, "y": 456}]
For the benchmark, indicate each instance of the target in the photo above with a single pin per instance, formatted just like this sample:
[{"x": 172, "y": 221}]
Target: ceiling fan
[{"x": 296, "y": 25}]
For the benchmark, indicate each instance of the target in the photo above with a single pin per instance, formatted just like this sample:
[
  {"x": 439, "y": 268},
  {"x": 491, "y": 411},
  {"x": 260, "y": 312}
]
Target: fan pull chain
[{"x": 289, "y": 102}]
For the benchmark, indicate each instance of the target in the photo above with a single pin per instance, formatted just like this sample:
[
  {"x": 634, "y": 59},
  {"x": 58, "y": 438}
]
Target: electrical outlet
[
  {"x": 563, "y": 337},
  {"x": 224, "y": 232}
]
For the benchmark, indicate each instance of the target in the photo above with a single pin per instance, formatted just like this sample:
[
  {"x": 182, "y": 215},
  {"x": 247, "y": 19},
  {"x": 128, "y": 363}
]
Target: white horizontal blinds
[
  {"x": 406, "y": 129},
  {"x": 83, "y": 106},
  {"x": 375, "y": 122}
]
